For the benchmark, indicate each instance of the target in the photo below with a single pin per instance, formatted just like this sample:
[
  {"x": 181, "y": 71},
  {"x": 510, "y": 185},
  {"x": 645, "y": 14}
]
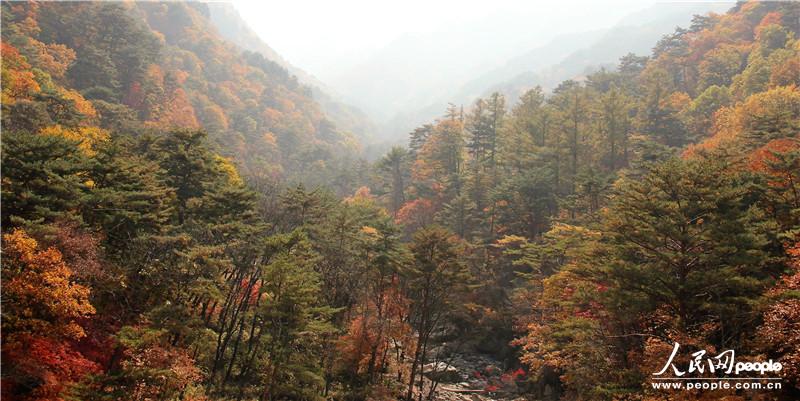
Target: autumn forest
[{"x": 184, "y": 218}]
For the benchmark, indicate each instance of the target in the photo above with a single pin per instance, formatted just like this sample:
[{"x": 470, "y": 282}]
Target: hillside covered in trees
[
  {"x": 181, "y": 221},
  {"x": 142, "y": 67},
  {"x": 232, "y": 27}
]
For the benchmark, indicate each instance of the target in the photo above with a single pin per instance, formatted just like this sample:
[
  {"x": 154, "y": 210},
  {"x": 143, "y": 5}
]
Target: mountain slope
[
  {"x": 232, "y": 27},
  {"x": 164, "y": 66}
]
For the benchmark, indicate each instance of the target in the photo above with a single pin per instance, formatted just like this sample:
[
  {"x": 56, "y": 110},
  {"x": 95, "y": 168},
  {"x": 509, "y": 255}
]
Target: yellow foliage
[
  {"x": 677, "y": 101},
  {"x": 774, "y": 105},
  {"x": 369, "y": 230},
  {"x": 214, "y": 118},
  {"x": 89, "y": 137},
  {"x": 511, "y": 240},
  {"x": 227, "y": 167},
  {"x": 38, "y": 288}
]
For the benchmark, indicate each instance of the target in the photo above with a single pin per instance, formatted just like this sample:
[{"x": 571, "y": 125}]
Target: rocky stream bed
[{"x": 473, "y": 377}]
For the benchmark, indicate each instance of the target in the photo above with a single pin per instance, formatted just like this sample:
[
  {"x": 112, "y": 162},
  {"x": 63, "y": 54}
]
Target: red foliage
[
  {"x": 39, "y": 368},
  {"x": 416, "y": 214},
  {"x": 253, "y": 292},
  {"x": 81, "y": 251},
  {"x": 769, "y": 19},
  {"x": 135, "y": 97},
  {"x": 512, "y": 376},
  {"x": 759, "y": 158}
]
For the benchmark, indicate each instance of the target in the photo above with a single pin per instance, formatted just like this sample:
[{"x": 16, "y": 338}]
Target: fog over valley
[{"x": 402, "y": 65}]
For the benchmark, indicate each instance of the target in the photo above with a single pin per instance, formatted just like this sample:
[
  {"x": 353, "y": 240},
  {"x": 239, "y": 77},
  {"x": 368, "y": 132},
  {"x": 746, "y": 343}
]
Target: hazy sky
[{"x": 327, "y": 37}]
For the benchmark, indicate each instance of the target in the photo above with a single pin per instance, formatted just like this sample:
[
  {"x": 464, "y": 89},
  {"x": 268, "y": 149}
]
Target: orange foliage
[
  {"x": 18, "y": 80},
  {"x": 270, "y": 139},
  {"x": 354, "y": 347},
  {"x": 769, "y": 19},
  {"x": 676, "y": 101},
  {"x": 82, "y": 105},
  {"x": 786, "y": 73},
  {"x": 176, "y": 112},
  {"x": 53, "y": 58},
  {"x": 361, "y": 196},
  {"x": 155, "y": 75},
  {"x": 271, "y": 116},
  {"x": 416, "y": 214},
  {"x": 287, "y": 106},
  {"x": 179, "y": 76},
  {"x": 375, "y": 331},
  {"x": 701, "y": 43}
]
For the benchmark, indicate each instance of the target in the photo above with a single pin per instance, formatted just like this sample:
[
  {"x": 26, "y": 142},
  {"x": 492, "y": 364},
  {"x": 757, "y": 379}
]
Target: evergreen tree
[
  {"x": 684, "y": 234},
  {"x": 571, "y": 104},
  {"x": 45, "y": 178},
  {"x": 394, "y": 164},
  {"x": 418, "y": 137}
]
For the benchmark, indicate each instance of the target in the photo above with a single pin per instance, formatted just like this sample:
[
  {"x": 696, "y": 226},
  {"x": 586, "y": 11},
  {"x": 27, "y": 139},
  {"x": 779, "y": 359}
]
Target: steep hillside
[
  {"x": 232, "y": 27},
  {"x": 162, "y": 65}
]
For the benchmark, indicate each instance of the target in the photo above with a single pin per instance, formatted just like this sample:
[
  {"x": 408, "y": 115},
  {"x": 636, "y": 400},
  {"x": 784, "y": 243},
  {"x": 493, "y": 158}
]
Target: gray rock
[{"x": 442, "y": 372}]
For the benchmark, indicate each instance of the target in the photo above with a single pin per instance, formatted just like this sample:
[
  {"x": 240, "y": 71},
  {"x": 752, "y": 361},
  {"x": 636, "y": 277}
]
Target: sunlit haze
[
  {"x": 401, "y": 62},
  {"x": 326, "y": 37}
]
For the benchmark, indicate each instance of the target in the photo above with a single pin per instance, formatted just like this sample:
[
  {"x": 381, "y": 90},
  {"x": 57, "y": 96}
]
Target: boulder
[{"x": 442, "y": 372}]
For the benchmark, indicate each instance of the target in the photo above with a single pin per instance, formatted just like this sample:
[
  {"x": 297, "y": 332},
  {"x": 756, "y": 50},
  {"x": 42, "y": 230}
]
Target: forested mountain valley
[
  {"x": 187, "y": 218},
  {"x": 572, "y": 55}
]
